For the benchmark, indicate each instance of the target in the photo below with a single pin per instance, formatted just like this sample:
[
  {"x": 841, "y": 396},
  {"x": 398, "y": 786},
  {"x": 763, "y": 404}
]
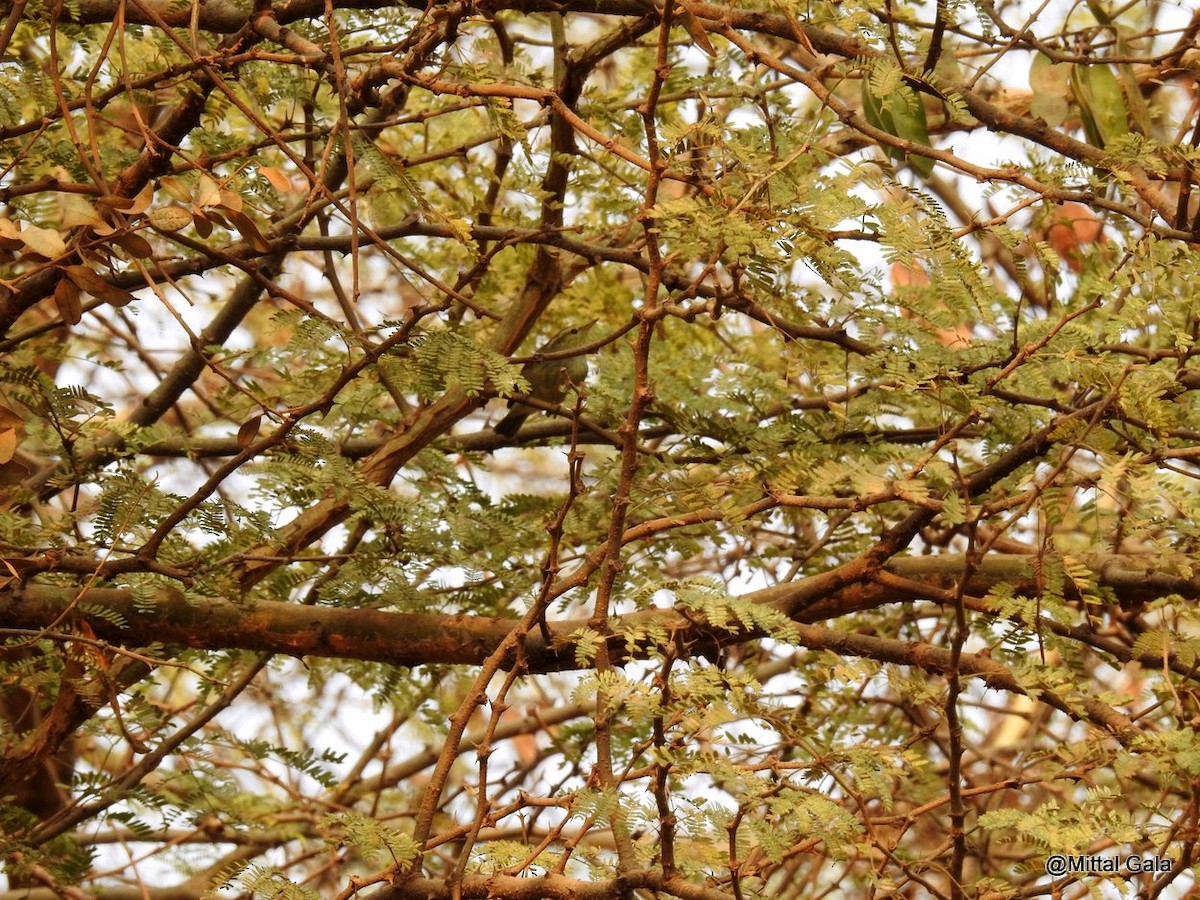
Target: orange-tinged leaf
[
  {"x": 1072, "y": 227},
  {"x": 276, "y": 178},
  {"x": 909, "y": 276},
  {"x": 141, "y": 202},
  {"x": 8, "y": 444},
  {"x": 915, "y": 277}
]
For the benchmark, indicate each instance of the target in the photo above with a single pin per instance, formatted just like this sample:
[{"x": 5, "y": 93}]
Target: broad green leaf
[
  {"x": 902, "y": 114},
  {"x": 1101, "y": 103},
  {"x": 1051, "y": 86}
]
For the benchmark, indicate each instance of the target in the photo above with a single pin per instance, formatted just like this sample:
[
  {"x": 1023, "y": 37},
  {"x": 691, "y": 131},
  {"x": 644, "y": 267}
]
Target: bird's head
[{"x": 569, "y": 337}]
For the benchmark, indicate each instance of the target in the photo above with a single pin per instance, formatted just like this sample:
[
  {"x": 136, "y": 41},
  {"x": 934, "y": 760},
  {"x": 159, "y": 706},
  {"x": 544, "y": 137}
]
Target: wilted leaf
[
  {"x": 66, "y": 298},
  {"x": 202, "y": 224},
  {"x": 113, "y": 295},
  {"x": 699, "y": 35},
  {"x": 249, "y": 431},
  {"x": 10, "y": 235},
  {"x": 15, "y": 470},
  {"x": 114, "y": 201},
  {"x": 95, "y": 285},
  {"x": 84, "y": 277},
  {"x": 142, "y": 201},
  {"x": 249, "y": 231},
  {"x": 135, "y": 245}
]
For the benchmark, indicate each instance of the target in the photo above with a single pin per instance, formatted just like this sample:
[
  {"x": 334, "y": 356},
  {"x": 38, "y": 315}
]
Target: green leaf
[
  {"x": 1051, "y": 86},
  {"x": 1101, "y": 103},
  {"x": 899, "y": 113}
]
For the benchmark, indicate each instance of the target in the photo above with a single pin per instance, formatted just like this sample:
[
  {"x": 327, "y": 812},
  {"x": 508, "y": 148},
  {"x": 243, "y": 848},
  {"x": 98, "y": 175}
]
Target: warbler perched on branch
[{"x": 549, "y": 379}]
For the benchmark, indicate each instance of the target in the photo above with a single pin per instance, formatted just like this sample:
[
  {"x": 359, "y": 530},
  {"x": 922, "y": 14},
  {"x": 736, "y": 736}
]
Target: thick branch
[{"x": 411, "y": 639}]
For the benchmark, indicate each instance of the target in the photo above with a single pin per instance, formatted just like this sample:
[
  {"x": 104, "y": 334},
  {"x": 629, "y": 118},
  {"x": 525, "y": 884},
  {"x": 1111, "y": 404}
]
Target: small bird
[{"x": 549, "y": 378}]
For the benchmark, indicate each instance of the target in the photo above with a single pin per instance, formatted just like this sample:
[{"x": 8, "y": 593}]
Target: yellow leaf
[
  {"x": 44, "y": 241},
  {"x": 209, "y": 193},
  {"x": 78, "y": 210}
]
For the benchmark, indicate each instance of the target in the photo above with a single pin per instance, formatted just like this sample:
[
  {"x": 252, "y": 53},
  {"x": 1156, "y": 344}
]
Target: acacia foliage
[{"x": 862, "y": 563}]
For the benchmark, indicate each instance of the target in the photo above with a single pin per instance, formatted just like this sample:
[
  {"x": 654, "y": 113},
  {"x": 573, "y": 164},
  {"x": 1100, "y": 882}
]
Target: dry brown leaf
[
  {"x": 249, "y": 431},
  {"x": 66, "y": 298},
  {"x": 699, "y": 35},
  {"x": 135, "y": 245},
  {"x": 249, "y": 231}
]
